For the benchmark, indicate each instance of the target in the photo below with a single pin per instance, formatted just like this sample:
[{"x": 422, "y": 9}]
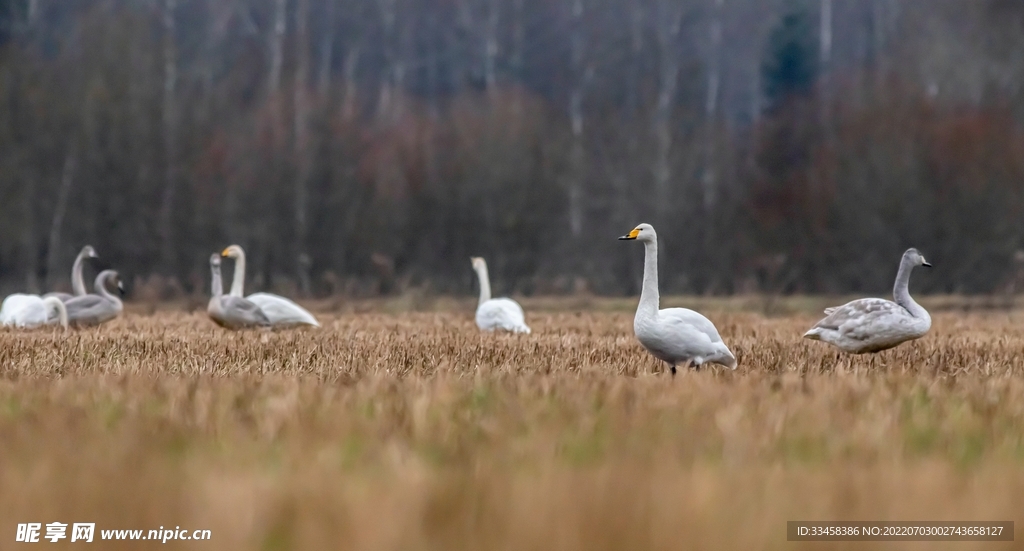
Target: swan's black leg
[
  {"x": 673, "y": 368},
  {"x": 695, "y": 365}
]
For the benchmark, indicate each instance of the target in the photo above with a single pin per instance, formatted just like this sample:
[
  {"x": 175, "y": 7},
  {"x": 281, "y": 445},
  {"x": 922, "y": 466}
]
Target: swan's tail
[
  {"x": 522, "y": 329},
  {"x": 813, "y": 334}
]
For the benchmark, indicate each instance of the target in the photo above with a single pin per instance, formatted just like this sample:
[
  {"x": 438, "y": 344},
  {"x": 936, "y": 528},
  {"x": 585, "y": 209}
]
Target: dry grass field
[{"x": 413, "y": 431}]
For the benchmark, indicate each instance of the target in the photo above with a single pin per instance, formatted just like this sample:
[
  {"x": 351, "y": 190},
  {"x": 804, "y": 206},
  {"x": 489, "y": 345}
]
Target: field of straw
[{"x": 390, "y": 430}]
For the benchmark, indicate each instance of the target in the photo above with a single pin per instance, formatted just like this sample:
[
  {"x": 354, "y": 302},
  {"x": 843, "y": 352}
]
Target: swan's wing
[
  {"x": 684, "y": 318},
  {"x": 501, "y": 313},
  {"x": 64, "y": 297},
  {"x": 238, "y": 311},
  {"x": 281, "y": 311},
  {"x": 88, "y": 309},
  {"x": 860, "y": 319}
]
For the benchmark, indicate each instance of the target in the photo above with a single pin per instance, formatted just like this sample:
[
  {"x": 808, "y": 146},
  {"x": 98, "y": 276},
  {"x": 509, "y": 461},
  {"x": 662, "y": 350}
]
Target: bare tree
[
  {"x": 668, "y": 22},
  {"x": 583, "y": 71},
  {"x": 710, "y": 176},
  {"x": 170, "y": 121},
  {"x": 302, "y": 153},
  {"x": 60, "y": 210}
]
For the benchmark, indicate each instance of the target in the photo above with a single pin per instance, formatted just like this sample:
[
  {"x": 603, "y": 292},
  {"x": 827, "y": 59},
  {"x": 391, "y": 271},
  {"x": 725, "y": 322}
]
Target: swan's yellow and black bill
[
  {"x": 225, "y": 252},
  {"x": 631, "y": 235}
]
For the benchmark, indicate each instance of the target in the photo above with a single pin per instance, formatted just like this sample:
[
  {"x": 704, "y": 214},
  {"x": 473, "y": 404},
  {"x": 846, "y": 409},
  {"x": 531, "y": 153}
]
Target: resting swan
[
  {"x": 673, "y": 335},
  {"x": 496, "y": 313},
  {"x": 98, "y": 308},
  {"x": 279, "y": 310},
  {"x": 875, "y": 324},
  {"x": 29, "y": 311},
  {"x": 77, "y": 282},
  {"x": 230, "y": 311}
]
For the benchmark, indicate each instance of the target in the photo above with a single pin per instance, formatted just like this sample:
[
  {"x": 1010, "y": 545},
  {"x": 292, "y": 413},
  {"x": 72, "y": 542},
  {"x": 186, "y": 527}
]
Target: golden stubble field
[{"x": 414, "y": 431}]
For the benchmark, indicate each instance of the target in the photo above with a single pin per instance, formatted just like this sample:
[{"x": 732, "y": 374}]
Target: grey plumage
[{"x": 94, "y": 309}]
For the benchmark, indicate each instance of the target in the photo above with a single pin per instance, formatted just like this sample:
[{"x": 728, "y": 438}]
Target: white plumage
[
  {"x": 279, "y": 310},
  {"x": 673, "y": 335},
  {"x": 496, "y": 314},
  {"x": 874, "y": 324},
  {"x": 29, "y": 311}
]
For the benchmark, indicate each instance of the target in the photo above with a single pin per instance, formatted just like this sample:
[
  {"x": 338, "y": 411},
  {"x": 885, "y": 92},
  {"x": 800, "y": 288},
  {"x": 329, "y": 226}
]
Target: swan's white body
[
  {"x": 29, "y": 311},
  {"x": 496, "y": 314},
  {"x": 874, "y": 324},
  {"x": 673, "y": 335},
  {"x": 279, "y": 310}
]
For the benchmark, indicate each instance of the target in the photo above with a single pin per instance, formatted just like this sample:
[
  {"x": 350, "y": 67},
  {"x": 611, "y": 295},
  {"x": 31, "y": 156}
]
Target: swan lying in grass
[
  {"x": 30, "y": 311},
  {"x": 875, "y": 324},
  {"x": 673, "y": 335},
  {"x": 496, "y": 314},
  {"x": 98, "y": 308},
  {"x": 279, "y": 310}
]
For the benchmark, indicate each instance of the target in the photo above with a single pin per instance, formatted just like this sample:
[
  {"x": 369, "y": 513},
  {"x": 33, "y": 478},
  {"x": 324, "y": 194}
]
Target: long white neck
[
  {"x": 216, "y": 287},
  {"x": 238, "y": 279},
  {"x": 649, "y": 298},
  {"x": 101, "y": 289},
  {"x": 901, "y": 290},
  {"x": 62, "y": 311},
  {"x": 485, "y": 283},
  {"x": 77, "y": 283}
]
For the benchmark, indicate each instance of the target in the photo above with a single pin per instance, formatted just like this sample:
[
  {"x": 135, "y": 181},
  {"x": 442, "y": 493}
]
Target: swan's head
[
  {"x": 113, "y": 277},
  {"x": 478, "y": 263},
  {"x": 234, "y": 251},
  {"x": 916, "y": 258},
  {"x": 643, "y": 232},
  {"x": 89, "y": 252},
  {"x": 215, "y": 260}
]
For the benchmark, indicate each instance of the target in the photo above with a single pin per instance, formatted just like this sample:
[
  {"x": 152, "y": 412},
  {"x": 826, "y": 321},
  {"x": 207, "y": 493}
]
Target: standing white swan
[
  {"x": 77, "y": 282},
  {"x": 875, "y": 324},
  {"x": 673, "y": 335},
  {"x": 496, "y": 313},
  {"x": 21, "y": 310},
  {"x": 229, "y": 311},
  {"x": 99, "y": 308},
  {"x": 279, "y": 310}
]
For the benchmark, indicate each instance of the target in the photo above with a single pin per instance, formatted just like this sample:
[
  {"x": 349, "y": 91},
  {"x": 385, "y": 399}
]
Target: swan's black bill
[
  {"x": 627, "y": 237},
  {"x": 926, "y": 265}
]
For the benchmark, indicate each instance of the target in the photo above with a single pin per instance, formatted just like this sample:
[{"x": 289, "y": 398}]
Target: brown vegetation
[{"x": 415, "y": 431}]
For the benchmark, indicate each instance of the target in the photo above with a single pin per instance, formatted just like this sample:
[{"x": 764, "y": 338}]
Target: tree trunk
[
  {"x": 170, "y": 138},
  {"x": 302, "y": 154},
  {"x": 60, "y": 209},
  {"x": 669, "y": 22},
  {"x": 577, "y": 153},
  {"x": 710, "y": 176},
  {"x": 326, "y": 53}
]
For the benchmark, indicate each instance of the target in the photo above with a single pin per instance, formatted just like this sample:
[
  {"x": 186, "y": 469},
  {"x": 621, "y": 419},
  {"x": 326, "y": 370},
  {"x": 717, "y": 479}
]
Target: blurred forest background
[{"x": 372, "y": 146}]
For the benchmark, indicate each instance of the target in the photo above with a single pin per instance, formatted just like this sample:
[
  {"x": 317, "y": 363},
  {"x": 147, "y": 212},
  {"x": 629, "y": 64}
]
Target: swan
[
  {"x": 77, "y": 283},
  {"x": 96, "y": 308},
  {"x": 230, "y": 311},
  {"x": 673, "y": 335},
  {"x": 21, "y": 310},
  {"x": 496, "y": 313},
  {"x": 279, "y": 310},
  {"x": 875, "y": 324}
]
